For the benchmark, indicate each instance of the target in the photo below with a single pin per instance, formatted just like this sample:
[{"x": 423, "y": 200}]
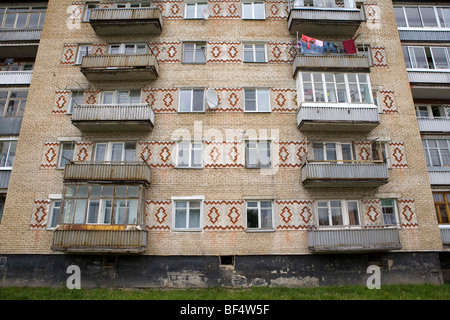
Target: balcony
[
  {"x": 354, "y": 239},
  {"x": 345, "y": 174},
  {"x": 434, "y": 125},
  {"x": 99, "y": 239},
  {"x": 105, "y": 171},
  {"x": 330, "y": 62},
  {"x": 4, "y": 178},
  {"x": 10, "y": 126},
  {"x": 113, "y": 117},
  {"x": 317, "y": 117},
  {"x": 427, "y": 35},
  {"x": 20, "y": 43},
  {"x": 110, "y": 67},
  {"x": 15, "y": 77},
  {"x": 325, "y": 21},
  {"x": 126, "y": 21},
  {"x": 439, "y": 176},
  {"x": 429, "y": 77}
]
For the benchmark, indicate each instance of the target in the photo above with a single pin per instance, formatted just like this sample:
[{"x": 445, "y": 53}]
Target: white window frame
[
  {"x": 81, "y": 52},
  {"x": 87, "y": 10},
  {"x": 191, "y": 103},
  {"x": 395, "y": 206},
  {"x": 435, "y": 9},
  {"x": 123, "y": 45},
  {"x": 8, "y": 153},
  {"x": 133, "y": 4},
  {"x": 116, "y": 95},
  {"x": 257, "y": 99},
  {"x": 109, "y": 149},
  {"x": 23, "y": 102},
  {"x": 252, "y": 4},
  {"x": 53, "y": 206},
  {"x": 188, "y": 201},
  {"x": 253, "y": 50},
  {"x": 324, "y": 84},
  {"x": 344, "y": 212},
  {"x": 438, "y": 149},
  {"x": 258, "y": 151},
  {"x": 192, "y": 146},
  {"x": 195, "y": 44},
  {"x": 258, "y": 207},
  {"x": 31, "y": 10},
  {"x": 338, "y": 148},
  {"x": 196, "y": 11},
  {"x": 73, "y": 103},
  {"x": 61, "y": 151},
  {"x": 429, "y": 109}
]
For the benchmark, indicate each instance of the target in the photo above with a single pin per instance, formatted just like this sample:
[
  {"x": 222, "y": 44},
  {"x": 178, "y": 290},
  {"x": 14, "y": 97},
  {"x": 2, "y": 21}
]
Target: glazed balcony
[
  {"x": 129, "y": 66},
  {"x": 349, "y": 173},
  {"x": 15, "y": 77},
  {"x": 10, "y": 126},
  {"x": 330, "y": 62},
  {"x": 325, "y": 117},
  {"x": 354, "y": 239},
  {"x": 325, "y": 21},
  {"x": 90, "y": 117},
  {"x": 99, "y": 239},
  {"x": 20, "y": 43},
  {"x": 125, "y": 21},
  {"x": 4, "y": 178},
  {"x": 107, "y": 171},
  {"x": 434, "y": 125}
]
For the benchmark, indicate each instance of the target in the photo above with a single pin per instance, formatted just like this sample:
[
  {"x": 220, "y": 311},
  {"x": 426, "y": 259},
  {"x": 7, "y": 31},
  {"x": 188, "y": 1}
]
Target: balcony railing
[
  {"x": 418, "y": 35},
  {"x": 105, "y": 171},
  {"x": 124, "y": 21},
  {"x": 15, "y": 77},
  {"x": 349, "y": 173},
  {"x": 354, "y": 239},
  {"x": 10, "y": 126},
  {"x": 313, "y": 116},
  {"x": 433, "y": 76},
  {"x": 445, "y": 235},
  {"x": 119, "y": 241},
  {"x": 327, "y": 61},
  {"x": 100, "y": 117},
  {"x": 439, "y": 176},
  {"x": 128, "y": 66},
  {"x": 321, "y": 21},
  {"x": 434, "y": 124},
  {"x": 20, "y": 35}
]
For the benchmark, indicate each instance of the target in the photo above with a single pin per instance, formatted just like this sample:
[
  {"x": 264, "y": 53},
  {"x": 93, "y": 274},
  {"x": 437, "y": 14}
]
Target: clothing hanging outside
[{"x": 312, "y": 45}]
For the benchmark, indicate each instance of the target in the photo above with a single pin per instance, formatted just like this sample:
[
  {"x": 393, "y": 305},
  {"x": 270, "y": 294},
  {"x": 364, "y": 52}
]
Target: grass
[{"x": 387, "y": 292}]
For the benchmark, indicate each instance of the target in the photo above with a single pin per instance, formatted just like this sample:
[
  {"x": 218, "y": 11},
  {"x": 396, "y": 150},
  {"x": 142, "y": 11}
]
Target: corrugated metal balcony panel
[
  {"x": 439, "y": 177},
  {"x": 20, "y": 35},
  {"x": 15, "y": 77},
  {"x": 136, "y": 66},
  {"x": 10, "y": 126},
  {"x": 434, "y": 124},
  {"x": 424, "y": 35},
  {"x": 92, "y": 171},
  {"x": 4, "y": 178},
  {"x": 445, "y": 235},
  {"x": 355, "y": 174},
  {"x": 354, "y": 239},
  {"x": 429, "y": 77},
  {"x": 337, "y": 118},
  {"x": 315, "y": 21},
  {"x": 114, "y": 117},
  {"x": 310, "y": 61},
  {"x": 100, "y": 240},
  {"x": 123, "y": 21}
]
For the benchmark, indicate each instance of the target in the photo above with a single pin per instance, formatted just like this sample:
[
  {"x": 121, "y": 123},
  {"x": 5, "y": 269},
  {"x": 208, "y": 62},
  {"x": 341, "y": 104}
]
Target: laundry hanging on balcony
[{"x": 311, "y": 45}]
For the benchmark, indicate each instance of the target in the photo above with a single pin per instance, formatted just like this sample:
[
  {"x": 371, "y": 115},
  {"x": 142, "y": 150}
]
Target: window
[
  {"x": 254, "y": 53},
  {"x": 437, "y": 152},
  {"x": 194, "y": 53},
  {"x": 127, "y": 48},
  {"x": 192, "y": 100},
  {"x": 389, "y": 210},
  {"x": 7, "y": 153},
  {"x": 432, "y": 111},
  {"x": 422, "y": 17},
  {"x": 190, "y": 155},
  {"x": 12, "y": 102},
  {"x": 338, "y": 212},
  {"x": 259, "y": 215},
  {"x": 257, "y": 100},
  {"x": 253, "y": 10},
  {"x": 335, "y": 88},
  {"x": 427, "y": 57},
  {"x": 101, "y": 204},
  {"x": 194, "y": 10},
  {"x": 257, "y": 154},
  {"x": 83, "y": 50},
  {"x": 66, "y": 153},
  {"x": 442, "y": 206},
  {"x": 115, "y": 152},
  {"x": 76, "y": 98},
  {"x": 22, "y": 17},
  {"x": 2, "y": 205},
  {"x": 89, "y": 7},
  {"x": 122, "y": 97},
  {"x": 332, "y": 151},
  {"x": 133, "y": 4},
  {"x": 187, "y": 215},
  {"x": 54, "y": 215}
]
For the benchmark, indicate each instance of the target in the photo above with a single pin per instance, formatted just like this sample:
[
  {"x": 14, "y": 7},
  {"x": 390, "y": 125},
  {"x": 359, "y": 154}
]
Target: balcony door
[
  {"x": 115, "y": 152},
  {"x": 332, "y": 152}
]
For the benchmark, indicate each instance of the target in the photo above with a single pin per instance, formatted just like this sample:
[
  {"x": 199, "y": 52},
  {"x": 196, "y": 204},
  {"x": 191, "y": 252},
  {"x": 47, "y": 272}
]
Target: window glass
[
  {"x": 428, "y": 17},
  {"x": 388, "y": 209},
  {"x": 444, "y": 17},
  {"x": 440, "y": 58},
  {"x": 413, "y": 16},
  {"x": 400, "y": 17},
  {"x": 55, "y": 211},
  {"x": 66, "y": 155},
  {"x": 353, "y": 215}
]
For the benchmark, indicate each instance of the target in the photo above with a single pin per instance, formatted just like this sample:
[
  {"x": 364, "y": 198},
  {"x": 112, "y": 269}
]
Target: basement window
[{"x": 226, "y": 261}]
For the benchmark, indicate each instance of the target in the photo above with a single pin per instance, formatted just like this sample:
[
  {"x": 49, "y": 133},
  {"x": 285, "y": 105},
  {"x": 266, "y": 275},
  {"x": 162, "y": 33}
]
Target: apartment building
[{"x": 222, "y": 143}]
